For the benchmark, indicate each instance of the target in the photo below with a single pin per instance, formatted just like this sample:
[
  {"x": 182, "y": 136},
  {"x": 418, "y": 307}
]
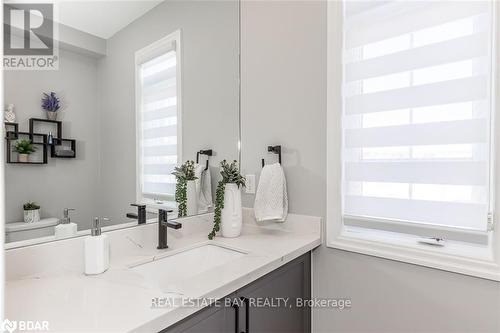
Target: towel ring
[
  {"x": 275, "y": 150},
  {"x": 207, "y": 152}
]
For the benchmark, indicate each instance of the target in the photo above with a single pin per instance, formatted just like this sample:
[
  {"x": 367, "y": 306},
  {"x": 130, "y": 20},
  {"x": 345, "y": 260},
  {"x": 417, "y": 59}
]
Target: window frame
[
  {"x": 143, "y": 55},
  {"x": 455, "y": 256}
]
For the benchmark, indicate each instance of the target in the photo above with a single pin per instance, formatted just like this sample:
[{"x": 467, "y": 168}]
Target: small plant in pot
[
  {"x": 185, "y": 189},
  {"x": 31, "y": 212},
  {"x": 24, "y": 148},
  {"x": 228, "y": 211},
  {"x": 50, "y": 103}
]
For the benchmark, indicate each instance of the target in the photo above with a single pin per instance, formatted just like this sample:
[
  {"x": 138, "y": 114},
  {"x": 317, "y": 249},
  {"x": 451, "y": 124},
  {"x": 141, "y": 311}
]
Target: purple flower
[{"x": 50, "y": 102}]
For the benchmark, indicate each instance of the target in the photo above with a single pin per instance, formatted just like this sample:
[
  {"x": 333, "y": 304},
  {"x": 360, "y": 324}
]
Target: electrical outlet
[{"x": 250, "y": 184}]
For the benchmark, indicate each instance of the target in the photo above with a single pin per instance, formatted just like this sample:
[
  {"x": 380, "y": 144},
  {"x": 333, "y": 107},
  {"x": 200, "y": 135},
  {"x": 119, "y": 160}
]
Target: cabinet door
[
  {"x": 210, "y": 320},
  {"x": 290, "y": 282}
]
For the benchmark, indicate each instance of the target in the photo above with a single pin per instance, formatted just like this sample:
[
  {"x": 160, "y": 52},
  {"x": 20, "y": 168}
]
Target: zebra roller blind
[
  {"x": 158, "y": 121},
  {"x": 417, "y": 102}
]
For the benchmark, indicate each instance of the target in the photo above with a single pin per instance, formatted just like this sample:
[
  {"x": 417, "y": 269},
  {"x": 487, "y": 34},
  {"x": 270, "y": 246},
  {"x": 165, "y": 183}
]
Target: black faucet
[
  {"x": 141, "y": 213},
  {"x": 163, "y": 224}
]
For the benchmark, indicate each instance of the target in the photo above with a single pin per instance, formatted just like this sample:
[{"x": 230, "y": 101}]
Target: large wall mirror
[{"x": 141, "y": 87}]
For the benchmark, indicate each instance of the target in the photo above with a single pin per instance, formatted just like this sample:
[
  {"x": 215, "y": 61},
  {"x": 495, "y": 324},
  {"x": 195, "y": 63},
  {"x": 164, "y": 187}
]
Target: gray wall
[
  {"x": 284, "y": 68},
  {"x": 210, "y": 48},
  {"x": 283, "y": 95},
  {"x": 61, "y": 183}
]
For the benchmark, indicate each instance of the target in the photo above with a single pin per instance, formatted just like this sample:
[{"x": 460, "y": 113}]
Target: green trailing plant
[
  {"x": 219, "y": 206},
  {"x": 230, "y": 173},
  {"x": 30, "y": 205},
  {"x": 24, "y": 146},
  {"x": 183, "y": 174}
]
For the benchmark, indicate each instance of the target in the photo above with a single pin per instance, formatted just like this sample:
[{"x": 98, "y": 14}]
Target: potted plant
[
  {"x": 227, "y": 213},
  {"x": 185, "y": 189},
  {"x": 50, "y": 103},
  {"x": 24, "y": 148},
  {"x": 31, "y": 212}
]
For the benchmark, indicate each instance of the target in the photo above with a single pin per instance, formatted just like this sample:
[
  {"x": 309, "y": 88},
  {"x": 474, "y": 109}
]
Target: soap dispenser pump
[
  {"x": 96, "y": 249},
  {"x": 66, "y": 228}
]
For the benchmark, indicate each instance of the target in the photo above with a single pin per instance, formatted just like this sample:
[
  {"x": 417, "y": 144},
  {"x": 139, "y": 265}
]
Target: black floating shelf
[
  {"x": 60, "y": 142},
  {"x": 58, "y": 123},
  {"x": 31, "y": 136},
  {"x": 12, "y": 133},
  {"x": 26, "y": 162}
]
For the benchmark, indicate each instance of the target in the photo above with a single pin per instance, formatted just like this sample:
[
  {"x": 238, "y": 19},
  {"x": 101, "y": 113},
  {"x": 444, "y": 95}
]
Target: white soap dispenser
[
  {"x": 96, "y": 250},
  {"x": 66, "y": 228}
]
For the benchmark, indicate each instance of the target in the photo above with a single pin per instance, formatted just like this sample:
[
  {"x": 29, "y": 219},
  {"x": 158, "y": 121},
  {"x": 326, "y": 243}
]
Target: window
[
  {"x": 416, "y": 136},
  {"x": 158, "y": 118}
]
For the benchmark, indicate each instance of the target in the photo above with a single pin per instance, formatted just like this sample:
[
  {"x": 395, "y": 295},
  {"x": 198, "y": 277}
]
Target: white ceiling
[{"x": 101, "y": 18}]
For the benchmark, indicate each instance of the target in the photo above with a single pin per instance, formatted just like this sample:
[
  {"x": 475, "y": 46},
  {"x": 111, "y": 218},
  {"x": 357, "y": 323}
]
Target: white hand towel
[
  {"x": 203, "y": 188},
  {"x": 198, "y": 170},
  {"x": 271, "y": 200}
]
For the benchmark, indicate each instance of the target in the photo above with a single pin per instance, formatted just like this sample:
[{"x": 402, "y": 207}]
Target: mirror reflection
[{"x": 141, "y": 108}]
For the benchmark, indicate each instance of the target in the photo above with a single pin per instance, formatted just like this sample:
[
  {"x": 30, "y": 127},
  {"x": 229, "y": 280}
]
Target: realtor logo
[{"x": 29, "y": 36}]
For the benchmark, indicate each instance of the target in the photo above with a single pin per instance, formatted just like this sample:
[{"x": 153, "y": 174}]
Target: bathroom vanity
[
  {"x": 180, "y": 289},
  {"x": 266, "y": 305}
]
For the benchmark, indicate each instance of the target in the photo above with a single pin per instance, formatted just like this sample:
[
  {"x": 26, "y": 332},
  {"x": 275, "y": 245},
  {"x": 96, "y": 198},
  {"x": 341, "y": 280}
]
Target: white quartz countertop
[{"x": 120, "y": 299}]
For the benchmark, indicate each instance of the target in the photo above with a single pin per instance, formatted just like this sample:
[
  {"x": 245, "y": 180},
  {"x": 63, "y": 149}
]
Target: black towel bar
[
  {"x": 207, "y": 152},
  {"x": 273, "y": 149}
]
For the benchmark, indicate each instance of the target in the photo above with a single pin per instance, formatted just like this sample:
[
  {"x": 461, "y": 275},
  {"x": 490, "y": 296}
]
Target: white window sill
[{"x": 464, "y": 258}]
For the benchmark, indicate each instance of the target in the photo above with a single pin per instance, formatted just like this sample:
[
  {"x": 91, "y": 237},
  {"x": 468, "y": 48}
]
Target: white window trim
[
  {"x": 456, "y": 257},
  {"x": 147, "y": 53}
]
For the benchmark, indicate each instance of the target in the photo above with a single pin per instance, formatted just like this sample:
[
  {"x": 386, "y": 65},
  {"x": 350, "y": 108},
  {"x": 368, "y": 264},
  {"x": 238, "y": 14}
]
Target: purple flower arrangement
[{"x": 50, "y": 102}]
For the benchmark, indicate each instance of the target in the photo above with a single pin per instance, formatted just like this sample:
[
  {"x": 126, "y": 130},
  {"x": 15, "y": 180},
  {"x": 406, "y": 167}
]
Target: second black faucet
[{"x": 163, "y": 225}]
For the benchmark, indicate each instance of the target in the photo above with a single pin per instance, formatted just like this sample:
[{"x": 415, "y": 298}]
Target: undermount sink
[{"x": 186, "y": 264}]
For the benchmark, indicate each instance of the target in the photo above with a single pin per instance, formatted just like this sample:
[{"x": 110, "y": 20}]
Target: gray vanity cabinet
[
  {"x": 209, "y": 320},
  {"x": 288, "y": 283},
  {"x": 254, "y": 313}
]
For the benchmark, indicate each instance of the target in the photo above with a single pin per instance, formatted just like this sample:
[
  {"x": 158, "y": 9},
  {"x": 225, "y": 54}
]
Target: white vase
[
  {"x": 23, "y": 158},
  {"x": 31, "y": 216},
  {"x": 191, "y": 198},
  {"x": 51, "y": 115},
  {"x": 231, "y": 215}
]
